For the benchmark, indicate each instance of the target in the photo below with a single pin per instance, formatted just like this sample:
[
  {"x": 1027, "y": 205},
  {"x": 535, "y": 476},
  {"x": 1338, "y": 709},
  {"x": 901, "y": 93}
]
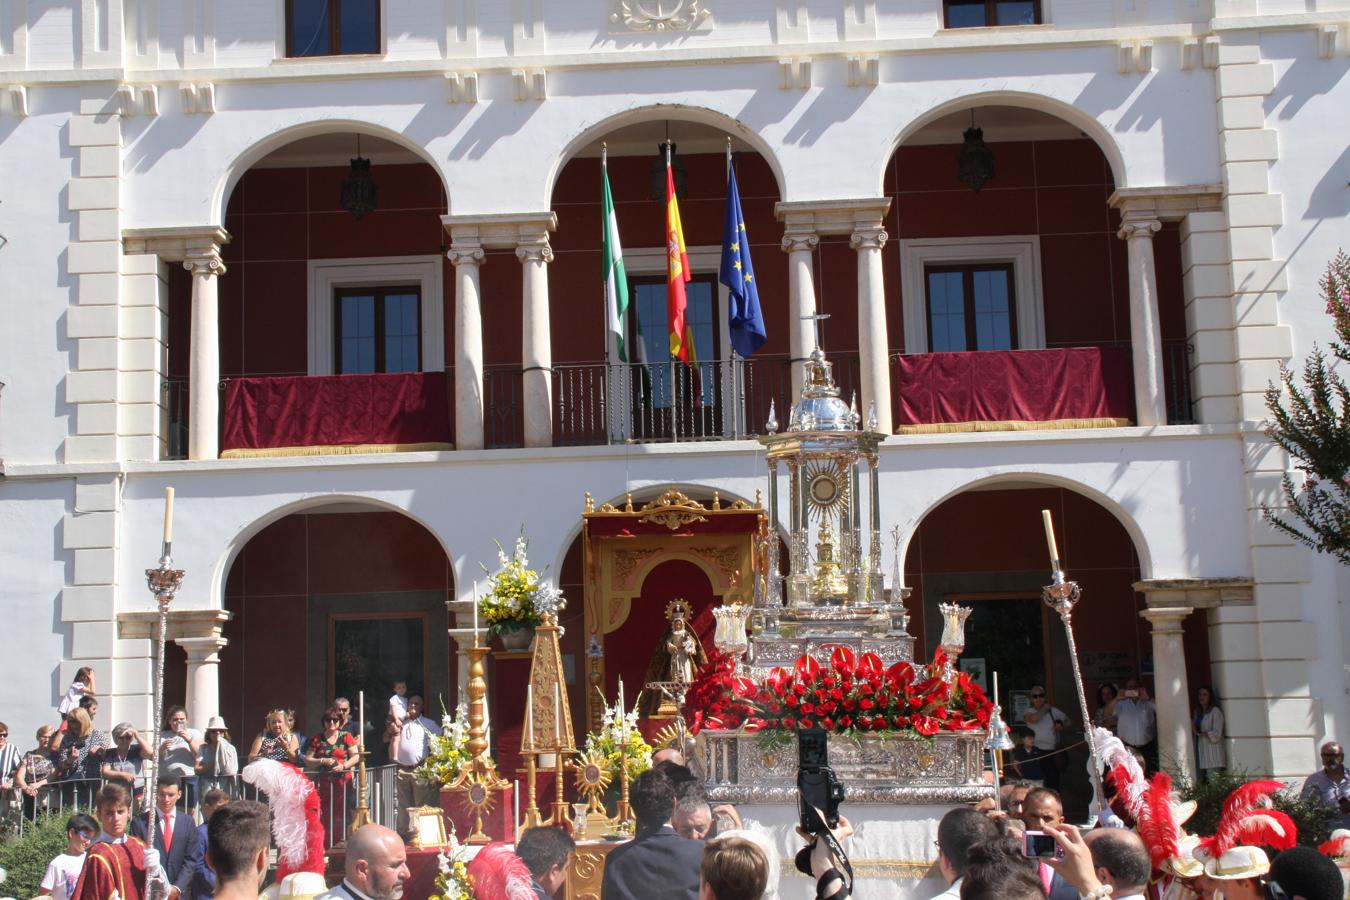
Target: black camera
[{"x": 817, "y": 786}]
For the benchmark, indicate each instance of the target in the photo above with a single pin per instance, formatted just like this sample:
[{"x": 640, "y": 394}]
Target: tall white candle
[
  {"x": 1050, "y": 538},
  {"x": 475, "y": 613},
  {"x": 996, "y": 687},
  {"x": 361, "y": 722},
  {"x": 515, "y": 796},
  {"x": 623, "y": 717},
  {"x": 529, "y": 717},
  {"x": 557, "y": 715},
  {"x": 168, "y": 515}
]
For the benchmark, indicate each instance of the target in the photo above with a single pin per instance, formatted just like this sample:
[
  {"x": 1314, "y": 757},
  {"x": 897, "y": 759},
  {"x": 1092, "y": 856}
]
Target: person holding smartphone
[
  {"x": 1137, "y": 722},
  {"x": 178, "y": 748},
  {"x": 1106, "y": 862}
]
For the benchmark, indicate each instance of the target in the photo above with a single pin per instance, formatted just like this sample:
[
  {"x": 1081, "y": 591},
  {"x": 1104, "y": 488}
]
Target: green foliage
[
  {"x": 25, "y": 857},
  {"x": 1311, "y": 422},
  {"x": 1311, "y": 816}
]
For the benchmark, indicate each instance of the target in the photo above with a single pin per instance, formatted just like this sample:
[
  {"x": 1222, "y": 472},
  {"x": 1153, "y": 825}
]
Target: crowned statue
[{"x": 676, "y": 658}]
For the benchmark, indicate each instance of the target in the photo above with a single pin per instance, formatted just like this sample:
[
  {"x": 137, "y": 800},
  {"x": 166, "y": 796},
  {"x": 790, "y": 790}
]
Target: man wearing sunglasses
[
  {"x": 1046, "y": 722},
  {"x": 64, "y": 871},
  {"x": 1331, "y": 785}
]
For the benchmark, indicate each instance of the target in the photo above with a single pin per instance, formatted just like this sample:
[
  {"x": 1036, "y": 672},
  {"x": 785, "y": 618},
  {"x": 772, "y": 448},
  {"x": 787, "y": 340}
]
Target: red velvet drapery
[
  {"x": 1083, "y": 385},
  {"x": 336, "y": 414}
]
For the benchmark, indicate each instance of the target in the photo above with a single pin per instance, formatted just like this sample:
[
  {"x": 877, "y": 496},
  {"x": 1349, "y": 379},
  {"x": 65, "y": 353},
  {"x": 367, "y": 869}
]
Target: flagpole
[{"x": 604, "y": 291}]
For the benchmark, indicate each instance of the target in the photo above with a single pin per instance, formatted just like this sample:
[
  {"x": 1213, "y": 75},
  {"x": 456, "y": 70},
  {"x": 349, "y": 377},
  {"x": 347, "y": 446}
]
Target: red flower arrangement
[{"x": 851, "y": 694}]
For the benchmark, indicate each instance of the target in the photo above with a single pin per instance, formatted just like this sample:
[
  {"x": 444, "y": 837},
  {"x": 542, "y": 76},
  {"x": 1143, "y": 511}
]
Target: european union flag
[{"x": 737, "y": 273}]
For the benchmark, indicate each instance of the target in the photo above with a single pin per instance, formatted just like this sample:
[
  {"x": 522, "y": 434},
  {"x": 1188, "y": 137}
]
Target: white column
[
  {"x": 872, "y": 341},
  {"x": 204, "y": 363},
  {"x": 1145, "y": 334},
  {"x": 800, "y": 247},
  {"x": 536, "y": 343},
  {"x": 1171, "y": 692},
  {"x": 468, "y": 347},
  {"x": 203, "y": 677}
]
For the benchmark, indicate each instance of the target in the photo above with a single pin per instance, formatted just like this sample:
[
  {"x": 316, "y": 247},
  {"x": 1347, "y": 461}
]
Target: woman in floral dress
[{"x": 334, "y": 754}]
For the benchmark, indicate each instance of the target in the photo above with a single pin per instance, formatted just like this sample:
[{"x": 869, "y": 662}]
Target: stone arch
[
  {"x": 673, "y": 112},
  {"x": 1024, "y": 100},
  {"x": 1117, "y": 511},
  {"x": 257, "y": 150},
  {"x": 235, "y": 546}
]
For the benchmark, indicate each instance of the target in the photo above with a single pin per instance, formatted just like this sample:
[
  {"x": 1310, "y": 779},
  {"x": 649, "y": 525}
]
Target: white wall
[
  {"x": 1310, "y": 112},
  {"x": 33, "y": 640},
  {"x": 35, "y": 292}
]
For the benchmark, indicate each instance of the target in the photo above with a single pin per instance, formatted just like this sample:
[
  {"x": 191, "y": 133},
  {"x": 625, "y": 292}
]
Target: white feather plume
[
  {"x": 1112, "y": 752},
  {"x": 286, "y": 789}
]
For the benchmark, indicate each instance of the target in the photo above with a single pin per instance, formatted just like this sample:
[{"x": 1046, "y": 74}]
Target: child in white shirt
[
  {"x": 398, "y": 704},
  {"x": 82, "y": 687},
  {"x": 64, "y": 870}
]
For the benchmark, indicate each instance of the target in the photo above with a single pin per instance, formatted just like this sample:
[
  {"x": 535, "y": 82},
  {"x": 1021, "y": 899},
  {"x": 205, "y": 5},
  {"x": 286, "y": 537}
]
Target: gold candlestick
[
  {"x": 362, "y": 814},
  {"x": 532, "y": 817},
  {"x": 478, "y": 778},
  {"x": 477, "y": 706}
]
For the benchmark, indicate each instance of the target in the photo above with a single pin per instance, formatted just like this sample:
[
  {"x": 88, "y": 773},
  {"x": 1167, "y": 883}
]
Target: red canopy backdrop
[{"x": 638, "y": 560}]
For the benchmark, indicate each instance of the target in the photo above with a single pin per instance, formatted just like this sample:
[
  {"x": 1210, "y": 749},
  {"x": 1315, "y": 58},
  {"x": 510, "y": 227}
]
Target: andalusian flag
[
  {"x": 616, "y": 278},
  {"x": 677, "y": 273}
]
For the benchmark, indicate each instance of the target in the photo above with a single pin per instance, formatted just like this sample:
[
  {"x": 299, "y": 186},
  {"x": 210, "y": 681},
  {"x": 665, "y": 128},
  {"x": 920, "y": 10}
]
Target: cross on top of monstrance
[{"x": 817, "y": 318}]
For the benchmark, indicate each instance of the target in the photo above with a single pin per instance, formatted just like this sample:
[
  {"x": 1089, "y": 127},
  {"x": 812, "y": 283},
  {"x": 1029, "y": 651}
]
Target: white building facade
[{"x": 129, "y": 127}]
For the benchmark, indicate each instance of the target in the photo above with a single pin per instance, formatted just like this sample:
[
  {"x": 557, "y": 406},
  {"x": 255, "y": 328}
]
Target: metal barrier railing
[{"x": 337, "y": 801}]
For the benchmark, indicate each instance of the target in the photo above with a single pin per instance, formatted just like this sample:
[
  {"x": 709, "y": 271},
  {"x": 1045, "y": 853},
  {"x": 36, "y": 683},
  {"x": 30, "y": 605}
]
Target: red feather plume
[
  {"x": 1269, "y": 828},
  {"x": 1242, "y": 801},
  {"x": 1158, "y": 827},
  {"x": 1335, "y": 848}
]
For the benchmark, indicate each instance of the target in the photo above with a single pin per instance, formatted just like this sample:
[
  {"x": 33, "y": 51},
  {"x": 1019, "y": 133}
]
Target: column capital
[
  {"x": 794, "y": 242},
  {"x": 182, "y": 623},
  {"x": 535, "y": 251},
  {"x": 204, "y": 261},
  {"x": 868, "y": 238},
  {"x": 1166, "y": 619},
  {"x": 1170, "y": 202},
  {"x": 1138, "y": 224},
  {"x": 466, "y": 255},
  {"x": 202, "y": 649}
]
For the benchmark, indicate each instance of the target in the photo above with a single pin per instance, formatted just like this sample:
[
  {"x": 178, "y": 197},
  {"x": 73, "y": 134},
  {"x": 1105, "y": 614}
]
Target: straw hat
[
  {"x": 298, "y": 886},
  {"x": 1238, "y": 862},
  {"x": 1246, "y": 825},
  {"x": 216, "y": 723}
]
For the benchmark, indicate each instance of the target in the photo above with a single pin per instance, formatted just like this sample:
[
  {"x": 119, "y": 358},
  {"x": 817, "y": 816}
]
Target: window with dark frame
[
  {"x": 651, "y": 324},
  {"x": 332, "y": 27},
  {"x": 983, "y": 13},
  {"x": 377, "y": 329},
  {"x": 970, "y": 307}
]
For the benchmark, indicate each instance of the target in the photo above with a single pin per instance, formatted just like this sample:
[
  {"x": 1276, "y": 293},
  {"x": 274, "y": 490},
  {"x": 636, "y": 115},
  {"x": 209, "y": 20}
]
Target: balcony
[{"x": 716, "y": 400}]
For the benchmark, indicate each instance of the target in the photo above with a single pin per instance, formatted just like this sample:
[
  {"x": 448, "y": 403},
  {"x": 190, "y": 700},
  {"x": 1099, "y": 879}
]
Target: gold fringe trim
[
  {"x": 877, "y": 868},
  {"x": 334, "y": 450},
  {"x": 1011, "y": 425}
]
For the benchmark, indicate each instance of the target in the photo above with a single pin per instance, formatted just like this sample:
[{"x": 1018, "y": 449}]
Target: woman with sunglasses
[
  {"x": 64, "y": 871},
  {"x": 34, "y": 771},
  {"x": 1046, "y": 723},
  {"x": 124, "y": 762},
  {"x": 333, "y": 753}
]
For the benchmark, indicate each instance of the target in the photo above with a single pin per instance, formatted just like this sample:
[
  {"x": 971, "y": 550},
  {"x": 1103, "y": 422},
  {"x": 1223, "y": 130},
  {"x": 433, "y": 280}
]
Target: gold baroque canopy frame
[{"x": 623, "y": 544}]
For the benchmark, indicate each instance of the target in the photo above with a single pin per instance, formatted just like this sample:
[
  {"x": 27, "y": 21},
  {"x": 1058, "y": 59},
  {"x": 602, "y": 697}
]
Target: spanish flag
[{"x": 677, "y": 273}]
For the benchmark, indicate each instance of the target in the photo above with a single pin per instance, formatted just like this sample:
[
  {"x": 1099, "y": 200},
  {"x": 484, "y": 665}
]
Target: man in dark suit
[
  {"x": 175, "y": 836},
  {"x": 657, "y": 864},
  {"x": 203, "y": 876}
]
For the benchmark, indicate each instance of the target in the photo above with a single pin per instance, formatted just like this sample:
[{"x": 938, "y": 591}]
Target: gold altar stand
[{"x": 588, "y": 870}]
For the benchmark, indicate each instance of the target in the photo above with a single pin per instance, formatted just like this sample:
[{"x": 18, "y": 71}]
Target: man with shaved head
[{"x": 377, "y": 866}]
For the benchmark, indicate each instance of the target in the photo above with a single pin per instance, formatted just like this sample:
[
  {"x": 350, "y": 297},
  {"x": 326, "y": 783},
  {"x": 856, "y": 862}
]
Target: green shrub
[
  {"x": 25, "y": 857},
  {"x": 1311, "y": 816}
]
